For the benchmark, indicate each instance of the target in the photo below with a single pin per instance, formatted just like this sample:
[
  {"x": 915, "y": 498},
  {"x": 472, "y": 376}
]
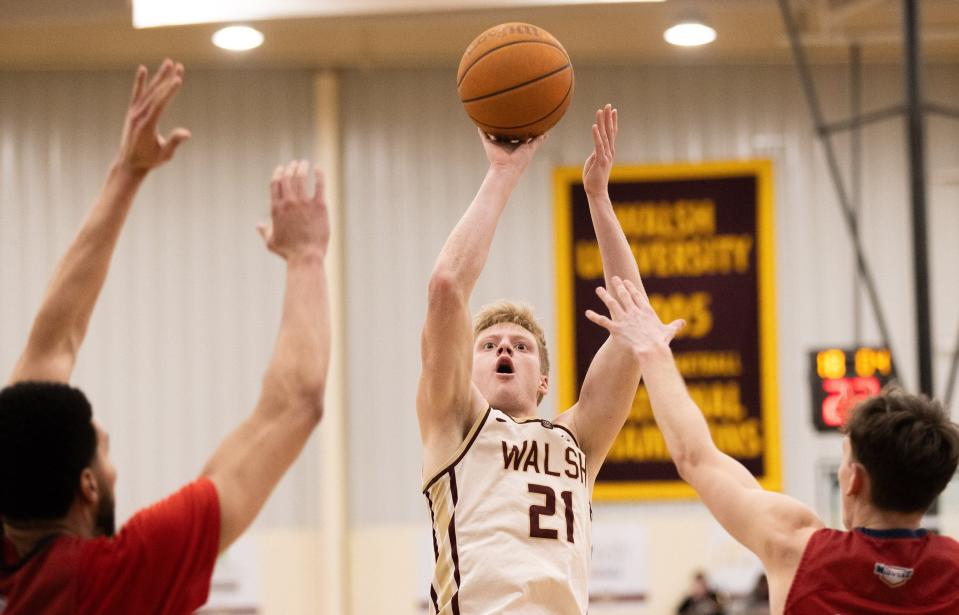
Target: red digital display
[{"x": 843, "y": 377}]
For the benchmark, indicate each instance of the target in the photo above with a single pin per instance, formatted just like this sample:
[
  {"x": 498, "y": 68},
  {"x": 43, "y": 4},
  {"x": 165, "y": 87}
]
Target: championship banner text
[{"x": 702, "y": 235}]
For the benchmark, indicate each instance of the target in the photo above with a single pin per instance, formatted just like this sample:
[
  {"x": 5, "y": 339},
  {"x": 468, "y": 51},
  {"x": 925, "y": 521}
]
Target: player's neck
[
  {"x": 519, "y": 413},
  {"x": 25, "y": 535},
  {"x": 874, "y": 519}
]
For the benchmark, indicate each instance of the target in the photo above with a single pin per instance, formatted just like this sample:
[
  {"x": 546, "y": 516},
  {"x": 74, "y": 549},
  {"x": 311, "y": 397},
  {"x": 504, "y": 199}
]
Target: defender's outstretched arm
[
  {"x": 253, "y": 459},
  {"x": 766, "y": 523},
  {"x": 61, "y": 322}
]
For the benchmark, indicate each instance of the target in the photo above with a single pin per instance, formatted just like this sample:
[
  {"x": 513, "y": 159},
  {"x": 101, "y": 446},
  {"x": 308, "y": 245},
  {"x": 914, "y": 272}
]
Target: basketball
[{"x": 515, "y": 81}]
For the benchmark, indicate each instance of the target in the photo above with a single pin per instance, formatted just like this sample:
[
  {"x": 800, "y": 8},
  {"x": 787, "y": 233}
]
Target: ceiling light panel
[{"x": 153, "y": 13}]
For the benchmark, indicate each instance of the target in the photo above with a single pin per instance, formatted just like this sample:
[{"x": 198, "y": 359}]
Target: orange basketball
[{"x": 515, "y": 81}]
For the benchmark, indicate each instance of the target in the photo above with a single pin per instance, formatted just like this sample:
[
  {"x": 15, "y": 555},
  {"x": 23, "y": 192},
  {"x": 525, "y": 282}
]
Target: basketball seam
[
  {"x": 518, "y": 85},
  {"x": 489, "y": 51},
  {"x": 534, "y": 121}
]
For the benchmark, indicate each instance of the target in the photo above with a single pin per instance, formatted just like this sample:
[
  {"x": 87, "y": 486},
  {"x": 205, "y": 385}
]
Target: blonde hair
[{"x": 517, "y": 314}]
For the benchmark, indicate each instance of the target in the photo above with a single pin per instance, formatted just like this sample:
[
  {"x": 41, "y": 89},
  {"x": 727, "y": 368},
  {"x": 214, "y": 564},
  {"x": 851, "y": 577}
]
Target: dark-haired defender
[
  {"x": 59, "y": 552},
  {"x": 899, "y": 452}
]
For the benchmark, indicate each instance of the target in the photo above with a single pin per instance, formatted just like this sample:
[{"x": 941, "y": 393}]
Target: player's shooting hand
[
  {"x": 600, "y": 162},
  {"x": 300, "y": 224},
  {"x": 142, "y": 147},
  {"x": 632, "y": 320},
  {"x": 509, "y": 157}
]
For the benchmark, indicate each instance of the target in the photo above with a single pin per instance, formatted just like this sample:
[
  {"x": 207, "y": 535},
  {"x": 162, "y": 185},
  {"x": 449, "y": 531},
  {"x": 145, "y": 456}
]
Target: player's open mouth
[{"x": 504, "y": 366}]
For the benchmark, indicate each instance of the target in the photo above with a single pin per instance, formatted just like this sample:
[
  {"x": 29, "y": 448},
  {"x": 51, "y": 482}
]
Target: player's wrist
[
  {"x": 121, "y": 170},
  {"x": 652, "y": 353},
  {"x": 597, "y": 193},
  {"x": 311, "y": 256},
  {"x": 505, "y": 172}
]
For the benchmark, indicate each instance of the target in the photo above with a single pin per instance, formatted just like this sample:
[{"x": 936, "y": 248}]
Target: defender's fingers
[
  {"x": 612, "y": 304},
  {"x": 162, "y": 98},
  {"x": 599, "y": 319},
  {"x": 138, "y": 82},
  {"x": 263, "y": 228},
  {"x": 288, "y": 174},
  {"x": 638, "y": 292},
  {"x": 299, "y": 182},
  {"x": 177, "y": 137},
  {"x": 673, "y": 329},
  {"x": 180, "y": 134},
  {"x": 165, "y": 67},
  {"x": 276, "y": 184},
  {"x": 622, "y": 293}
]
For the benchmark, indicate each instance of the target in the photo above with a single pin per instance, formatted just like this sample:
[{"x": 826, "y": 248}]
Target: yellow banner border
[{"x": 563, "y": 178}]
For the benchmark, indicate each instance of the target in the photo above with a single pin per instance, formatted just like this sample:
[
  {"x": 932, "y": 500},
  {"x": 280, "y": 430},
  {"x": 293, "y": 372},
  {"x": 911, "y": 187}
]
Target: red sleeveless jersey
[
  {"x": 160, "y": 563},
  {"x": 892, "y": 572}
]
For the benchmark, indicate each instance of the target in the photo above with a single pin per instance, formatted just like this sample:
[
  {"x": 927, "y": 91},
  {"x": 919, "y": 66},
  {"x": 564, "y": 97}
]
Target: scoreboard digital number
[{"x": 842, "y": 377}]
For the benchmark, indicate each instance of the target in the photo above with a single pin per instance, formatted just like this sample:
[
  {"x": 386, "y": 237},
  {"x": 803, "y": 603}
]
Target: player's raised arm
[
  {"x": 446, "y": 400},
  {"x": 613, "y": 375},
  {"x": 771, "y": 525},
  {"x": 252, "y": 459},
  {"x": 614, "y": 248},
  {"x": 61, "y": 322}
]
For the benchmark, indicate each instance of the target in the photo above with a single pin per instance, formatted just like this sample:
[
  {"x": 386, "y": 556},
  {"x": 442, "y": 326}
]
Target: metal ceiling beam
[
  {"x": 832, "y": 163},
  {"x": 863, "y": 119},
  {"x": 839, "y": 14}
]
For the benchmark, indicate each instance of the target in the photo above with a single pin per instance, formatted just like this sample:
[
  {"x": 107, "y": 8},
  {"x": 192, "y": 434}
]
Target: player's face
[
  {"x": 506, "y": 368},
  {"x": 106, "y": 476}
]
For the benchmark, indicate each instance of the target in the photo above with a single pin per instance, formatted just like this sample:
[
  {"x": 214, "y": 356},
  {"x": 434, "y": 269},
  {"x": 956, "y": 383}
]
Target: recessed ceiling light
[
  {"x": 690, "y": 34},
  {"x": 238, "y": 38}
]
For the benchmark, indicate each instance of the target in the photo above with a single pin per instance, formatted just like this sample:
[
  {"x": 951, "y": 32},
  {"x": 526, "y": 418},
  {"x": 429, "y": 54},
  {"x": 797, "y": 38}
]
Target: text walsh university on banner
[{"x": 702, "y": 235}]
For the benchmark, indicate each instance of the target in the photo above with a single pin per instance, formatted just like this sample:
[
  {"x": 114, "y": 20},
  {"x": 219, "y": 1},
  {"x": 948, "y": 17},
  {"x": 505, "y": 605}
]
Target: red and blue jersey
[{"x": 892, "y": 572}]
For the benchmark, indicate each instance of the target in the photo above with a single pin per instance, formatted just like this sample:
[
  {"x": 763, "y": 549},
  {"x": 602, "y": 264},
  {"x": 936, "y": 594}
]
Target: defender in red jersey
[
  {"x": 899, "y": 453},
  {"x": 59, "y": 553}
]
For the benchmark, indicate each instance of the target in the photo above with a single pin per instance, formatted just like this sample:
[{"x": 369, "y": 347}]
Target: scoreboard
[{"x": 842, "y": 377}]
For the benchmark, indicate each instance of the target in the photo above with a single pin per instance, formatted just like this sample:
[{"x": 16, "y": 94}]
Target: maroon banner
[{"x": 702, "y": 237}]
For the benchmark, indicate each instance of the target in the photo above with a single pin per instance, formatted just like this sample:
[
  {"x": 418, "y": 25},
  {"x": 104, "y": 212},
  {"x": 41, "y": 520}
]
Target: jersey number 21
[{"x": 549, "y": 509}]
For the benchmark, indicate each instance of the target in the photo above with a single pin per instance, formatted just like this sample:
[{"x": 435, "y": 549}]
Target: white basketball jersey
[{"x": 511, "y": 522}]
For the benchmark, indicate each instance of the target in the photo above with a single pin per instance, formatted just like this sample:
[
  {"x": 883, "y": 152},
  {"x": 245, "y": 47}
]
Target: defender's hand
[
  {"x": 142, "y": 147},
  {"x": 632, "y": 319},
  {"x": 300, "y": 224}
]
